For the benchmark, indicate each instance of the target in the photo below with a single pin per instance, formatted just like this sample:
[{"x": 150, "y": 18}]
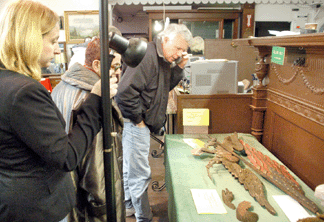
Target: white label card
[{"x": 207, "y": 201}]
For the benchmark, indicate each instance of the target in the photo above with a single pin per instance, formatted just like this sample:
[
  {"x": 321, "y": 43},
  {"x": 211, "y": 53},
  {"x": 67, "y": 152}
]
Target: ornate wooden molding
[
  {"x": 259, "y": 98},
  {"x": 247, "y": 29},
  {"x": 308, "y": 111},
  {"x": 308, "y": 40},
  {"x": 297, "y": 70},
  {"x": 307, "y": 101},
  {"x": 261, "y": 70},
  {"x": 294, "y": 124}
]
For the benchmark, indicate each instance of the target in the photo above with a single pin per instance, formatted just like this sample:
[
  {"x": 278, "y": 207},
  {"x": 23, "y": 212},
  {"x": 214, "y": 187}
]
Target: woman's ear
[{"x": 96, "y": 66}]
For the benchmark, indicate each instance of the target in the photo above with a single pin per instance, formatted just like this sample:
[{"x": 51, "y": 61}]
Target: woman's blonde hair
[{"x": 22, "y": 27}]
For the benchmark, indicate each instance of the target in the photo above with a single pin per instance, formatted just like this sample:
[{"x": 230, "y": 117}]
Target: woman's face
[{"x": 50, "y": 47}]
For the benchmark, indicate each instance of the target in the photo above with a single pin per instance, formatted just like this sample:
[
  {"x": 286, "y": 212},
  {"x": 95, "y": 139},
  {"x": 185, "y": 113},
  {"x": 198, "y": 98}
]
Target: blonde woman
[{"x": 36, "y": 154}]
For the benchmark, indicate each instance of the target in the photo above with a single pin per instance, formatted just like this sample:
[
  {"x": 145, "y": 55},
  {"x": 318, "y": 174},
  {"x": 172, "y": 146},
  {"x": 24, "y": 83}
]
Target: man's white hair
[{"x": 177, "y": 29}]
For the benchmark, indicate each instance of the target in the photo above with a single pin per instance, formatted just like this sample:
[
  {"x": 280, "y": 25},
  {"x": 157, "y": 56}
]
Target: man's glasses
[{"x": 115, "y": 66}]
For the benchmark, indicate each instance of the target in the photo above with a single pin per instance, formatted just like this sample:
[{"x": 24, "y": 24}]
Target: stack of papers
[{"x": 282, "y": 33}]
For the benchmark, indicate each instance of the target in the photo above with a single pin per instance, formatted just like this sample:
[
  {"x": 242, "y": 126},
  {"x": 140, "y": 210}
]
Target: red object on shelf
[{"x": 47, "y": 84}]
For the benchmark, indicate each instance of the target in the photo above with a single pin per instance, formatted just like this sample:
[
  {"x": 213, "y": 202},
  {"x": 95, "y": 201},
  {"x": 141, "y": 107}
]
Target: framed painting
[{"x": 80, "y": 25}]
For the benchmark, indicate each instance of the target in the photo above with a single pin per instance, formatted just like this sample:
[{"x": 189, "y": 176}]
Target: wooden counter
[{"x": 228, "y": 112}]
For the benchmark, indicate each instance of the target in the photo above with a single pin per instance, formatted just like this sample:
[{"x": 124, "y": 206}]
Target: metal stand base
[
  {"x": 155, "y": 154},
  {"x": 155, "y": 186}
]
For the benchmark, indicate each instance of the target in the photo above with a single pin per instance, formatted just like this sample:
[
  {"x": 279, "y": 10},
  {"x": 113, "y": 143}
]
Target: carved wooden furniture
[
  {"x": 248, "y": 21},
  {"x": 288, "y": 113},
  {"x": 228, "y": 112}
]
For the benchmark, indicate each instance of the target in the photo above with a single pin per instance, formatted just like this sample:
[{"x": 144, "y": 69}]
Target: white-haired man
[{"x": 142, "y": 98}]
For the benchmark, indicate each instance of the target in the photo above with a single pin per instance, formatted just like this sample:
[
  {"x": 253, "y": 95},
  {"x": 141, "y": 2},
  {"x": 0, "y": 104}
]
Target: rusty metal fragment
[
  {"x": 266, "y": 165},
  {"x": 211, "y": 142},
  {"x": 224, "y": 154},
  {"x": 279, "y": 176},
  {"x": 237, "y": 145},
  {"x": 269, "y": 169},
  {"x": 228, "y": 198},
  {"x": 318, "y": 218},
  {"x": 221, "y": 154},
  {"x": 232, "y": 143},
  {"x": 251, "y": 183},
  {"x": 242, "y": 213}
]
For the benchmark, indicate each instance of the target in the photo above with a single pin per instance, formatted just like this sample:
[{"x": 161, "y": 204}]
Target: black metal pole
[{"x": 105, "y": 62}]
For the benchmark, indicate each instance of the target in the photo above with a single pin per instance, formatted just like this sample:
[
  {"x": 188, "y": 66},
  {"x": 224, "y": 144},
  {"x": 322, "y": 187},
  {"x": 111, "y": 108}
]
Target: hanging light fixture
[
  {"x": 162, "y": 24},
  {"x": 158, "y": 26},
  {"x": 166, "y": 22}
]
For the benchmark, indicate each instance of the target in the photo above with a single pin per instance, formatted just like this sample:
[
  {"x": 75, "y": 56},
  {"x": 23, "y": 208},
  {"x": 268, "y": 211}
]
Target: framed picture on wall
[{"x": 80, "y": 25}]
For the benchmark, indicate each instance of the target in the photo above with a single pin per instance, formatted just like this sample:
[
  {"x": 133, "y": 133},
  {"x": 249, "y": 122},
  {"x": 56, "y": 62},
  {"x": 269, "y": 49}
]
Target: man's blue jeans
[{"x": 136, "y": 169}]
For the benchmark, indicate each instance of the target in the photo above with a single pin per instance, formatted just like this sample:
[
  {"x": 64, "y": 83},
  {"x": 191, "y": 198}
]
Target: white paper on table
[
  {"x": 194, "y": 143},
  {"x": 207, "y": 201},
  {"x": 293, "y": 210}
]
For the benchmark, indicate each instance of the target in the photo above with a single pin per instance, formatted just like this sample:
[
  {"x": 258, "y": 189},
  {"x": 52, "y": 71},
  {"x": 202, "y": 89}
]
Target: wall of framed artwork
[{"x": 80, "y": 25}]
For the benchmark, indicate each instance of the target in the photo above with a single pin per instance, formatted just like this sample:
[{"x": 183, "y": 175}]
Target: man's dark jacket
[{"x": 143, "y": 91}]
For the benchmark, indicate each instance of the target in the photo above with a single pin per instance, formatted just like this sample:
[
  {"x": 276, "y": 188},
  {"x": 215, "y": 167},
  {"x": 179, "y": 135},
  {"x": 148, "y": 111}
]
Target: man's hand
[
  {"x": 141, "y": 124},
  {"x": 184, "y": 60},
  {"x": 113, "y": 87}
]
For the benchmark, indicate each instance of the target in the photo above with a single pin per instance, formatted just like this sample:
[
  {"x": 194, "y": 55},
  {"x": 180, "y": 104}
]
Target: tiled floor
[{"x": 158, "y": 199}]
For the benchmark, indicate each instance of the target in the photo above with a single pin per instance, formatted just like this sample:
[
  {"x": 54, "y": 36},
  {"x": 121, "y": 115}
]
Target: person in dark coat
[
  {"x": 36, "y": 154},
  {"x": 89, "y": 177},
  {"x": 142, "y": 98}
]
